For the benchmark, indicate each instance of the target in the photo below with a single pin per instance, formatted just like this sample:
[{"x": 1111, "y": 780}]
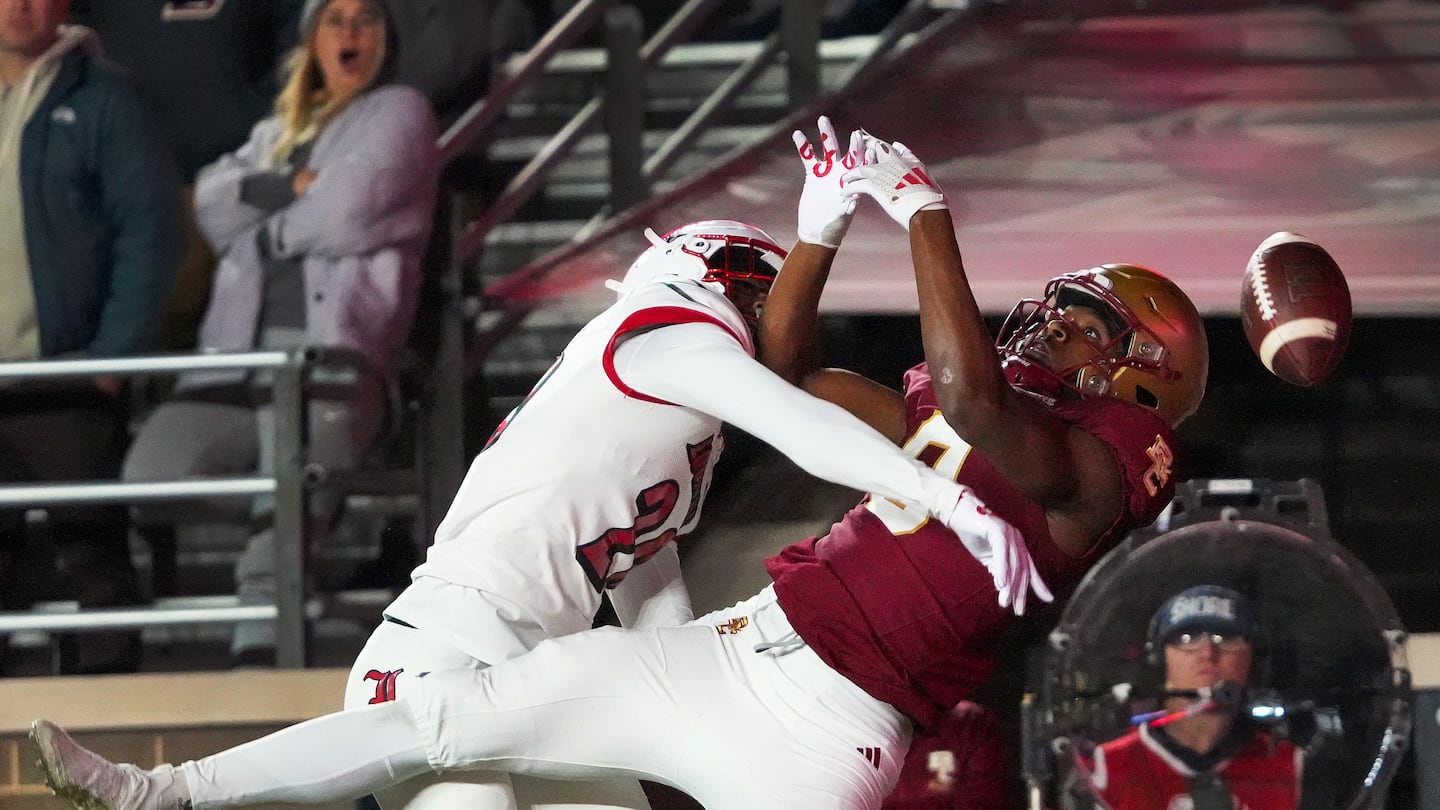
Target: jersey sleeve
[
  {"x": 698, "y": 366},
  {"x": 1144, "y": 447},
  {"x": 670, "y": 303}
]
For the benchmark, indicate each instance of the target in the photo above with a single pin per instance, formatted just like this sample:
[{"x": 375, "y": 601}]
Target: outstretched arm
[
  {"x": 788, "y": 344},
  {"x": 1068, "y": 471},
  {"x": 787, "y": 341},
  {"x": 701, "y": 366}
]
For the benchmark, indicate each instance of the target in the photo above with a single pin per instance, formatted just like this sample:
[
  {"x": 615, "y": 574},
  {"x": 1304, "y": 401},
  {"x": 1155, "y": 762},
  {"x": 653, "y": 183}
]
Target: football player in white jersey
[{"x": 603, "y": 465}]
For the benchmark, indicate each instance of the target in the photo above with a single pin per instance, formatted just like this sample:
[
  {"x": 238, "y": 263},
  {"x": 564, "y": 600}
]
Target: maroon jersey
[
  {"x": 1136, "y": 772},
  {"x": 961, "y": 763},
  {"x": 893, "y": 600}
]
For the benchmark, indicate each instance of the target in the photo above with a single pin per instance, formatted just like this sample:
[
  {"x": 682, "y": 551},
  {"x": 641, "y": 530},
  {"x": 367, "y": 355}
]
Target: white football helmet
[{"x": 714, "y": 251}]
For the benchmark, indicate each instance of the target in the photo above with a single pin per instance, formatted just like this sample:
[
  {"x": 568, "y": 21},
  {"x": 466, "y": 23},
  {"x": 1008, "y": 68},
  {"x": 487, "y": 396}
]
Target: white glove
[
  {"x": 825, "y": 205},
  {"x": 1000, "y": 548},
  {"x": 895, "y": 178}
]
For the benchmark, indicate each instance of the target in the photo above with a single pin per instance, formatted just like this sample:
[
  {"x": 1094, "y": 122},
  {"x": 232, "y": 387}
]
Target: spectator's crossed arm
[
  {"x": 220, "y": 207},
  {"x": 377, "y": 194}
]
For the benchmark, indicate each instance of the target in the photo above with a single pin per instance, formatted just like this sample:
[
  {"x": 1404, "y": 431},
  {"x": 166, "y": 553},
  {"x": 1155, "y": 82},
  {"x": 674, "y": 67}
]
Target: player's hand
[
  {"x": 892, "y": 175},
  {"x": 826, "y": 206},
  {"x": 1001, "y": 549}
]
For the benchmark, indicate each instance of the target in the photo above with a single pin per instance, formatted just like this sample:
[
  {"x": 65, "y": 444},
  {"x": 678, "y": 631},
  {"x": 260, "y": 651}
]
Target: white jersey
[{"x": 585, "y": 479}]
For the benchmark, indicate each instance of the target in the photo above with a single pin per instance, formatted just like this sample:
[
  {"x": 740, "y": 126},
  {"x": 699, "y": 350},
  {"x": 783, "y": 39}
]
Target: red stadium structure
[{"x": 1178, "y": 142}]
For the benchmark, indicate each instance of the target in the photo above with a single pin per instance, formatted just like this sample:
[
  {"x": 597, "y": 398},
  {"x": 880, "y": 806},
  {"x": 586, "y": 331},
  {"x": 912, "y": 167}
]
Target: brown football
[{"x": 1295, "y": 308}]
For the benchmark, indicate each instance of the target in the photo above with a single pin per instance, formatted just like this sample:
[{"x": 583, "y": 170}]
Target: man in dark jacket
[{"x": 86, "y": 263}]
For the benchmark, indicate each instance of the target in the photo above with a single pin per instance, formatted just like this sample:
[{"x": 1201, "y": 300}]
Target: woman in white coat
[{"x": 320, "y": 221}]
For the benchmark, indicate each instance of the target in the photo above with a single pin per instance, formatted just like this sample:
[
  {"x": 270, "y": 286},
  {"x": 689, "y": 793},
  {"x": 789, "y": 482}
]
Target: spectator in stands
[
  {"x": 207, "y": 70},
  {"x": 1201, "y": 747},
  {"x": 90, "y": 239},
  {"x": 320, "y": 220}
]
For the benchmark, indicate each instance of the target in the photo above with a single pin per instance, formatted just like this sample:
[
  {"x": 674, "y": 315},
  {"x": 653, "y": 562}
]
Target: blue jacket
[{"x": 104, "y": 227}]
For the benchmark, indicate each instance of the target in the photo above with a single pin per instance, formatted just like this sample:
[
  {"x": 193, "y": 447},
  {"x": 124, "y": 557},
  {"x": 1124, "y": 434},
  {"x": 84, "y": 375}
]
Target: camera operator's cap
[{"x": 1204, "y": 607}]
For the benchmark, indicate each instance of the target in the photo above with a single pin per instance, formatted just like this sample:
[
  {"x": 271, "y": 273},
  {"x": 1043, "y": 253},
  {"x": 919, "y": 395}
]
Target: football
[{"x": 1295, "y": 309}]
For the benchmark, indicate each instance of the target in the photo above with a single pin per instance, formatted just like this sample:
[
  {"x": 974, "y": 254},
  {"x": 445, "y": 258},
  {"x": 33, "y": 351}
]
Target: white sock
[
  {"x": 170, "y": 790},
  {"x": 331, "y": 758}
]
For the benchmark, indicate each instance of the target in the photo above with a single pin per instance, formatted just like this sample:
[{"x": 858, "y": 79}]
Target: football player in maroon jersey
[{"x": 1064, "y": 432}]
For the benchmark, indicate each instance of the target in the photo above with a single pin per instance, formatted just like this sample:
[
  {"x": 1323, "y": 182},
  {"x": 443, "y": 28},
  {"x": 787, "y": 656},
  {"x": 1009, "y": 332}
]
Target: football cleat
[{"x": 88, "y": 781}]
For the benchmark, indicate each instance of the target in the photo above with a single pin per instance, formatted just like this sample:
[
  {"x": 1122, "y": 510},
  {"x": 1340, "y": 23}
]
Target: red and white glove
[
  {"x": 826, "y": 206},
  {"x": 1000, "y": 548},
  {"x": 892, "y": 175}
]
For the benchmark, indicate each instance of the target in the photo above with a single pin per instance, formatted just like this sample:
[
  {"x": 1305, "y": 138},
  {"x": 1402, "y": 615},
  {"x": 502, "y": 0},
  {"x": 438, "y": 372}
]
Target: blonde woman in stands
[{"x": 320, "y": 221}]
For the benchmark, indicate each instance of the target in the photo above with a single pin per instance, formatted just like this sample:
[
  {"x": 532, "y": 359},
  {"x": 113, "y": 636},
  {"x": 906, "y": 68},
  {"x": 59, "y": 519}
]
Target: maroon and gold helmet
[{"x": 1158, "y": 357}]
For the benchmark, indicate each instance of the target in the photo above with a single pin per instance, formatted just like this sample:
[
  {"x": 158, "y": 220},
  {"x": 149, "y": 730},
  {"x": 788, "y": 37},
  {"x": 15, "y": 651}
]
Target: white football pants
[
  {"x": 387, "y": 667},
  {"x": 697, "y": 707}
]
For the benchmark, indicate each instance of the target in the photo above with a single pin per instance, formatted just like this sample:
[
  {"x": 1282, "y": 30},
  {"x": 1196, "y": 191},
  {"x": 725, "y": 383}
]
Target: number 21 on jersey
[{"x": 936, "y": 445}]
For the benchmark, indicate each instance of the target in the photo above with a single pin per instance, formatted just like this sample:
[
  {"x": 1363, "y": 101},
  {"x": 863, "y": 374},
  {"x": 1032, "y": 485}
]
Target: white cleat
[{"x": 88, "y": 781}]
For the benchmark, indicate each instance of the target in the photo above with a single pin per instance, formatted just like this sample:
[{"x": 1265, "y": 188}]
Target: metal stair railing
[{"x": 290, "y": 484}]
